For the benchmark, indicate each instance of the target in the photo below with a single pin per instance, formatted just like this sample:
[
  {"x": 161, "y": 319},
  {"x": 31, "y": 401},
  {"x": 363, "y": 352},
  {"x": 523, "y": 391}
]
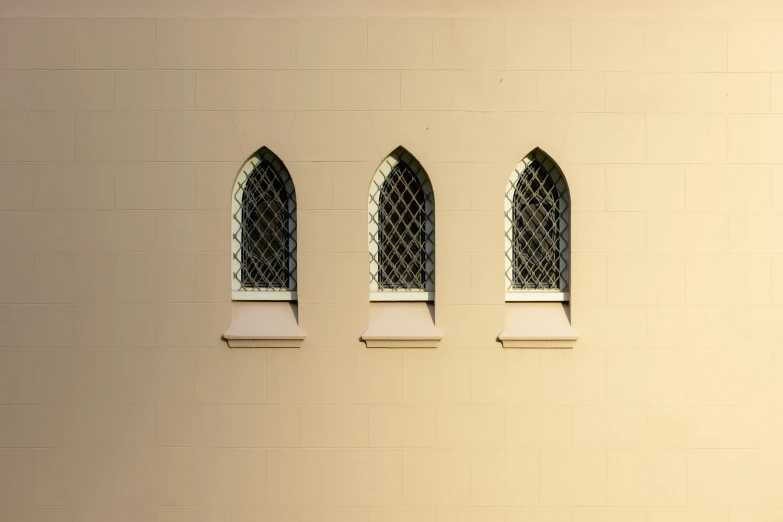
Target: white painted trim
[
  {"x": 236, "y": 229},
  {"x": 262, "y": 295},
  {"x": 540, "y": 297},
  {"x": 236, "y": 232},
  {"x": 401, "y": 295},
  {"x": 385, "y": 168},
  {"x": 565, "y": 234}
]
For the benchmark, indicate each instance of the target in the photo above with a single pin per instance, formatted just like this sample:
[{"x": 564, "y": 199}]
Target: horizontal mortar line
[
  {"x": 499, "y": 111},
  {"x": 351, "y": 161}
]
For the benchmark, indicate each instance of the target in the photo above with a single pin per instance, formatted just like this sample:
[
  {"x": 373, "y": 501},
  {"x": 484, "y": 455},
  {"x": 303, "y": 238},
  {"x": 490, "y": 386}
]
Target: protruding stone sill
[
  {"x": 400, "y": 343},
  {"x": 256, "y": 341},
  {"x": 264, "y": 324},
  {"x": 509, "y": 342},
  {"x": 402, "y": 325},
  {"x": 538, "y": 325}
]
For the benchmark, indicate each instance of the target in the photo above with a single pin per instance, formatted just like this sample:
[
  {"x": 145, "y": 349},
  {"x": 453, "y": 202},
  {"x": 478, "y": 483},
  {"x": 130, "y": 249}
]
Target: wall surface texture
[{"x": 119, "y": 142}]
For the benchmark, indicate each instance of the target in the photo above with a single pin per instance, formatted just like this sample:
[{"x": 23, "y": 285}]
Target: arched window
[
  {"x": 401, "y": 231},
  {"x": 537, "y": 231},
  {"x": 263, "y": 230}
]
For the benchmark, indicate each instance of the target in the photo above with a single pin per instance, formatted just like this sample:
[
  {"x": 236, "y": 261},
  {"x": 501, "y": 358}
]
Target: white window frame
[
  {"x": 564, "y": 238},
  {"x": 260, "y": 294},
  {"x": 386, "y": 168}
]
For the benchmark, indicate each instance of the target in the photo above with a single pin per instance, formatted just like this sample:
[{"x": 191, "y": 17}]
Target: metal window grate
[
  {"x": 537, "y": 226},
  {"x": 401, "y": 226},
  {"x": 264, "y": 226}
]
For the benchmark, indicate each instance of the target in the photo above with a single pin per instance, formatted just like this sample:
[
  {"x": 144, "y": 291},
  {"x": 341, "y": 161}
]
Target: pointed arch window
[
  {"x": 263, "y": 231},
  {"x": 537, "y": 206},
  {"x": 401, "y": 231}
]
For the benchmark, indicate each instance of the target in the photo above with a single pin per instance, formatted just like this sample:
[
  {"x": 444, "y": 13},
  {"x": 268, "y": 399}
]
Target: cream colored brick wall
[{"x": 119, "y": 142}]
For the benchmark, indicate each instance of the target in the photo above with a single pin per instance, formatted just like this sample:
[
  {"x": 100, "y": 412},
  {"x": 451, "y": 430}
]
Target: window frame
[
  {"x": 238, "y": 292},
  {"x": 400, "y": 155},
  {"x": 562, "y": 294}
]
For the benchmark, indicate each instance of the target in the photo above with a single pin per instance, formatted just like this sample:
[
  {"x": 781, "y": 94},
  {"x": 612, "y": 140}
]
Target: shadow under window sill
[
  {"x": 402, "y": 325},
  {"x": 264, "y": 324},
  {"x": 538, "y": 325}
]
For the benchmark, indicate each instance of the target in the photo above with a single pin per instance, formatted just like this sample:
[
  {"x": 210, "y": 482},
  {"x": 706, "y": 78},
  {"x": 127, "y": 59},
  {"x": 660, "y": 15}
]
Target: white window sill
[
  {"x": 401, "y": 295},
  {"x": 264, "y": 324},
  {"x": 262, "y": 295},
  {"x": 537, "y": 297},
  {"x": 402, "y": 325},
  {"x": 538, "y": 325}
]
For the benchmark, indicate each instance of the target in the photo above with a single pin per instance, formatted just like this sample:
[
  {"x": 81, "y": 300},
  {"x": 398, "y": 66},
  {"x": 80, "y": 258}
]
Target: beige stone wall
[{"x": 119, "y": 142}]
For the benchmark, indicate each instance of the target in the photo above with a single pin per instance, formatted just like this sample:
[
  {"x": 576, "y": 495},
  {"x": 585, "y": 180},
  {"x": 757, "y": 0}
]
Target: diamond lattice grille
[
  {"x": 537, "y": 226},
  {"x": 402, "y": 228},
  {"x": 265, "y": 227}
]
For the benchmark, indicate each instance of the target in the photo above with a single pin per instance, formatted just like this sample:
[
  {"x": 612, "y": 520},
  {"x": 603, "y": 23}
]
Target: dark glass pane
[
  {"x": 265, "y": 234},
  {"x": 402, "y": 233},
  {"x": 536, "y": 232}
]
